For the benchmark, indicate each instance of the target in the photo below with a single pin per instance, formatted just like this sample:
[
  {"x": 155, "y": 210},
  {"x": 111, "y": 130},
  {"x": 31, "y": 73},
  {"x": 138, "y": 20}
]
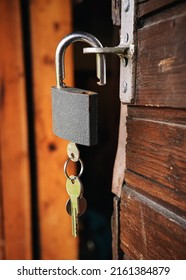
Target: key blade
[
  {"x": 74, "y": 214},
  {"x": 75, "y": 190}
]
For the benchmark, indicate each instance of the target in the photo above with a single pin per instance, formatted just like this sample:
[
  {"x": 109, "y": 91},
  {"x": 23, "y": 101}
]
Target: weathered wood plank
[
  {"x": 167, "y": 197},
  {"x": 168, "y": 115},
  {"x": 14, "y": 146},
  {"x": 147, "y": 6},
  {"x": 50, "y": 22},
  {"x": 2, "y": 236},
  {"x": 156, "y": 150},
  {"x": 116, "y": 251},
  {"x": 172, "y": 196},
  {"x": 120, "y": 161},
  {"x": 153, "y": 201},
  {"x": 149, "y": 231},
  {"x": 161, "y": 62}
]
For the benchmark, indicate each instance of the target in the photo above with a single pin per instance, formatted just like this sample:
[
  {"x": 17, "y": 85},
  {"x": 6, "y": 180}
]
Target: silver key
[{"x": 73, "y": 152}]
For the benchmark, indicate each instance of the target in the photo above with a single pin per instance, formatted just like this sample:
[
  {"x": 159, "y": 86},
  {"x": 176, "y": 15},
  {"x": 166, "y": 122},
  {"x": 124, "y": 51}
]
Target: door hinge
[{"x": 125, "y": 50}]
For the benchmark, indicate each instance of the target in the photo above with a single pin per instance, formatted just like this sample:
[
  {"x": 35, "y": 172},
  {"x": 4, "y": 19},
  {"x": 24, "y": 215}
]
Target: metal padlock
[{"x": 74, "y": 111}]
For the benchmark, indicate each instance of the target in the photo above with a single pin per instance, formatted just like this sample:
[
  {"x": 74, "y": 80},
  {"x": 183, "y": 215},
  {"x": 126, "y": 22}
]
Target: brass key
[{"x": 74, "y": 189}]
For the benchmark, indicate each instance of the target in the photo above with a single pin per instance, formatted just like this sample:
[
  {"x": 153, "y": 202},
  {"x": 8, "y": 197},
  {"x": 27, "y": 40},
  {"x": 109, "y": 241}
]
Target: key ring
[{"x": 65, "y": 169}]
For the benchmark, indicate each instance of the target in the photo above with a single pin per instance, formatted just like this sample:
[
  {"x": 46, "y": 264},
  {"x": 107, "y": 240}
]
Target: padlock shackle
[{"x": 60, "y": 53}]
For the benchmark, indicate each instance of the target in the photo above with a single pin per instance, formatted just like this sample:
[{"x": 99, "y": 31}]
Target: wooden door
[
  {"x": 15, "y": 213},
  {"x": 149, "y": 220},
  {"x": 33, "y": 220}
]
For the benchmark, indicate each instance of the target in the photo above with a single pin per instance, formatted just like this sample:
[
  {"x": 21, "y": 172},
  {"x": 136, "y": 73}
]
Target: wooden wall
[
  {"x": 33, "y": 221},
  {"x": 153, "y": 200}
]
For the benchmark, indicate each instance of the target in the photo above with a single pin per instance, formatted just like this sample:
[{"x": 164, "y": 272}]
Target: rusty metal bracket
[{"x": 125, "y": 50}]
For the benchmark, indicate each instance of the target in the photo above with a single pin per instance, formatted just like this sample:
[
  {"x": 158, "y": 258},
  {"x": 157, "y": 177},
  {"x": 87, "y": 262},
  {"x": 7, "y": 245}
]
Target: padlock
[{"x": 74, "y": 110}]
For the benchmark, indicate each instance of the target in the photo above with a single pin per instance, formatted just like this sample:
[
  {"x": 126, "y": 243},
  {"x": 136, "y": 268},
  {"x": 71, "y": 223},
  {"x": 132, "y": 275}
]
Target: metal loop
[
  {"x": 60, "y": 52},
  {"x": 80, "y": 173}
]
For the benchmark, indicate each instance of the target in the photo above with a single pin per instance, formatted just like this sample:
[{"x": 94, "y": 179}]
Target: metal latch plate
[
  {"x": 125, "y": 50},
  {"x": 127, "y": 70}
]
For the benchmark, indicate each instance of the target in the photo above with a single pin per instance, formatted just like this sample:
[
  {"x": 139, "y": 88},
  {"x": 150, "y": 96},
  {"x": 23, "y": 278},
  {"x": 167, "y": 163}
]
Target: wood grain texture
[
  {"x": 50, "y": 22},
  {"x": 116, "y": 251},
  {"x": 153, "y": 207},
  {"x": 167, "y": 115},
  {"x": 150, "y": 231},
  {"x": 167, "y": 197},
  {"x": 147, "y": 6},
  {"x": 161, "y": 62},
  {"x": 14, "y": 146},
  {"x": 2, "y": 235},
  {"x": 120, "y": 160},
  {"x": 155, "y": 150},
  {"x": 153, "y": 201}
]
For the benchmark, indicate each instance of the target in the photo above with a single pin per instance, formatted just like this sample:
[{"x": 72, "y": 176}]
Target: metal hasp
[{"x": 125, "y": 50}]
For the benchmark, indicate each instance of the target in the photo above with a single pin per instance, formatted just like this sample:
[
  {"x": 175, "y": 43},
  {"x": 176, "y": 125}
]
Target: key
[
  {"x": 81, "y": 203},
  {"x": 74, "y": 189},
  {"x": 73, "y": 152}
]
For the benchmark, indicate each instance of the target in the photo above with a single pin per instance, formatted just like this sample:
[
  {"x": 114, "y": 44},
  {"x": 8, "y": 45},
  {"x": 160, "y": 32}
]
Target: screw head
[
  {"x": 124, "y": 87},
  {"x": 126, "y": 5},
  {"x": 126, "y": 37},
  {"x": 125, "y": 61}
]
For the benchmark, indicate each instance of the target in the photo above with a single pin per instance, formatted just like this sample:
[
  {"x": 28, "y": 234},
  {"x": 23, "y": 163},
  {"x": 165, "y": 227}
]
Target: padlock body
[{"x": 74, "y": 115}]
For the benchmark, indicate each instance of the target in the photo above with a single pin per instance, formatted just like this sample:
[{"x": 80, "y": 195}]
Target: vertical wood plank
[
  {"x": 14, "y": 146},
  {"x": 116, "y": 251},
  {"x": 2, "y": 237},
  {"x": 120, "y": 161},
  {"x": 50, "y": 22}
]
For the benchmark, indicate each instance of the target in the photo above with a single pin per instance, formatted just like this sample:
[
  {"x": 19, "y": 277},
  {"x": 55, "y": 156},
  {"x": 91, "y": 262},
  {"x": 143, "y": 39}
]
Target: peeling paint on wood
[
  {"x": 120, "y": 161},
  {"x": 166, "y": 64}
]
